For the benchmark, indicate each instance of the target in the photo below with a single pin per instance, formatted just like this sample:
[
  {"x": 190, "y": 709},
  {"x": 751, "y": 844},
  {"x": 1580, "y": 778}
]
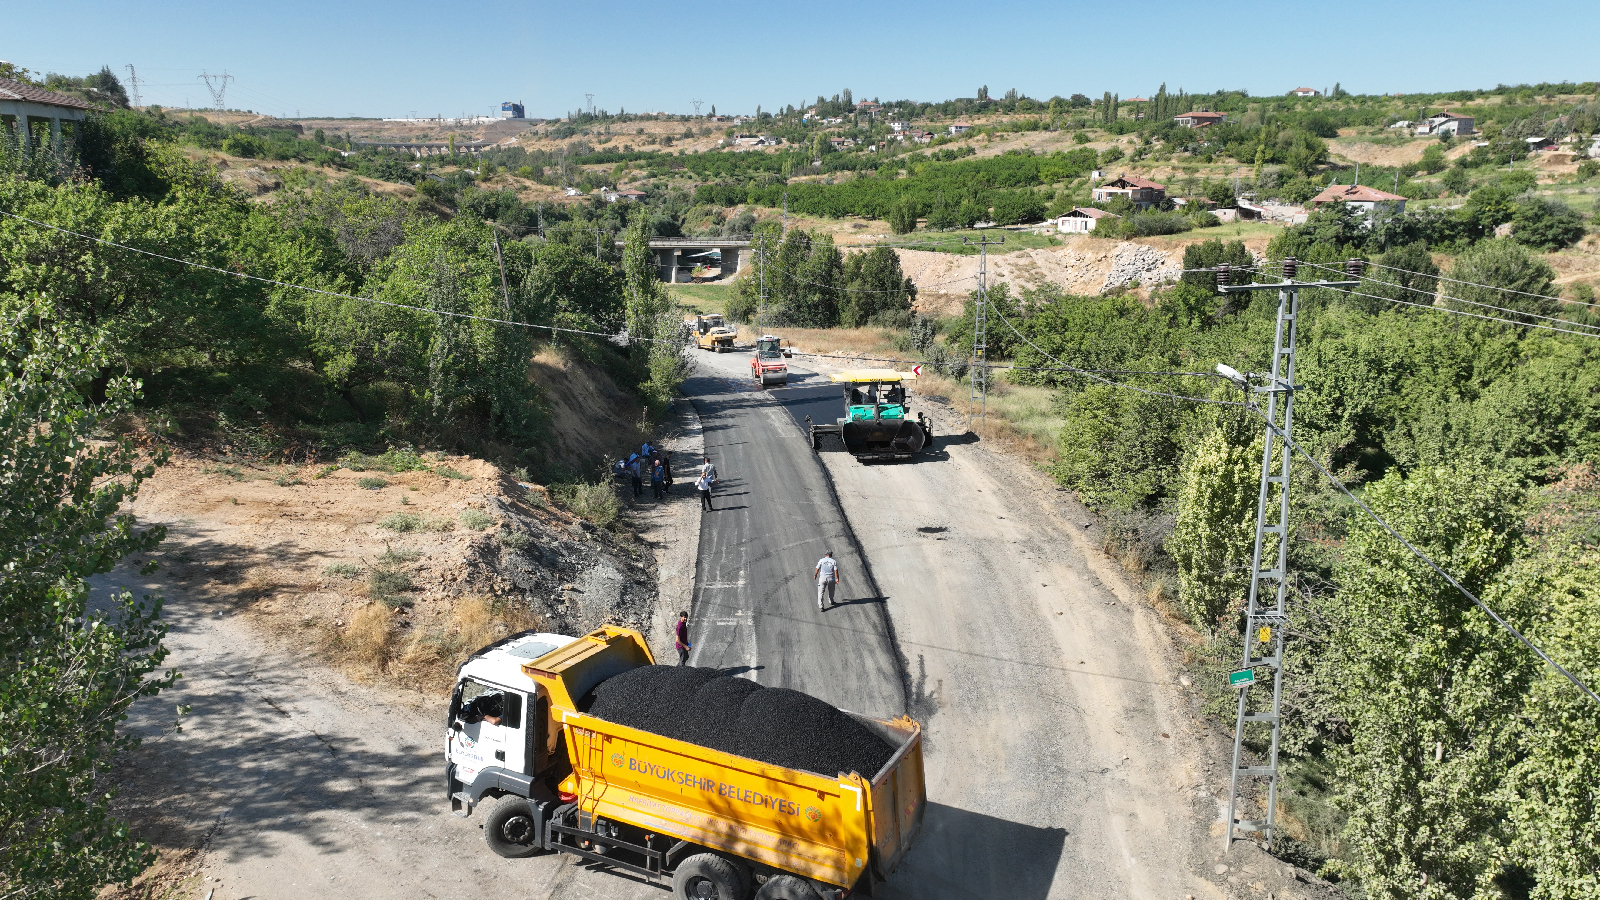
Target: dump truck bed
[{"x": 834, "y": 829}]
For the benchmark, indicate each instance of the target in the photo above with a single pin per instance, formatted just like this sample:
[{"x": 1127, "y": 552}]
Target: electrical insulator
[
  {"x": 1354, "y": 267},
  {"x": 1289, "y": 265},
  {"x": 1223, "y": 275}
]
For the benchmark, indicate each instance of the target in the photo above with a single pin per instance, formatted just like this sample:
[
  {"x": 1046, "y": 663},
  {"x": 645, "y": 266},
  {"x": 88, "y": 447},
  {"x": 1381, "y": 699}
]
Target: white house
[
  {"x": 1446, "y": 123},
  {"x": 960, "y": 128},
  {"x": 1363, "y": 198},
  {"x": 1306, "y": 92},
  {"x": 1081, "y": 220}
]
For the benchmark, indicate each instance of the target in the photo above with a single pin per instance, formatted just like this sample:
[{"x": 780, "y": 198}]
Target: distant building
[
  {"x": 1141, "y": 192},
  {"x": 841, "y": 143},
  {"x": 1446, "y": 123},
  {"x": 960, "y": 128},
  {"x": 1306, "y": 92},
  {"x": 1366, "y": 199},
  {"x": 23, "y": 107},
  {"x": 1403, "y": 123},
  {"x": 1200, "y": 119},
  {"x": 1081, "y": 220},
  {"x": 1539, "y": 143},
  {"x": 628, "y": 195},
  {"x": 899, "y": 126},
  {"x": 509, "y": 110}
]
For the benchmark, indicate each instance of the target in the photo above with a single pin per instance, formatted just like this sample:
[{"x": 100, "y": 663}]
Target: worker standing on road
[
  {"x": 827, "y": 577},
  {"x": 703, "y": 485},
  {"x": 682, "y": 638},
  {"x": 658, "y": 478},
  {"x": 707, "y": 468},
  {"x": 636, "y": 475},
  {"x": 666, "y": 469}
]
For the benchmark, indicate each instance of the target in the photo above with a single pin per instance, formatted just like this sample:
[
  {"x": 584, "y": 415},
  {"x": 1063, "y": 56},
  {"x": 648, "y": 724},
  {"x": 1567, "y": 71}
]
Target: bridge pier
[{"x": 730, "y": 260}]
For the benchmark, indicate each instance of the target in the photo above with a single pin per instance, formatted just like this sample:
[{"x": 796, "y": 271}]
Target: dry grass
[
  {"x": 431, "y": 656},
  {"x": 369, "y": 638}
]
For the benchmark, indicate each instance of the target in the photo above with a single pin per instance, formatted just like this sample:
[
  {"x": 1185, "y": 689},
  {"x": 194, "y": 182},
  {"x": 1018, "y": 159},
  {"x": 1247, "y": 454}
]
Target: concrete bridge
[
  {"x": 669, "y": 251},
  {"x": 427, "y": 148}
]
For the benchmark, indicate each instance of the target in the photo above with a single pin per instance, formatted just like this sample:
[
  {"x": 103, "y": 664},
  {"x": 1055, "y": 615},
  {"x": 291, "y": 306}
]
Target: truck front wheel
[
  {"x": 512, "y": 831},
  {"x": 706, "y": 876},
  {"x": 787, "y": 887}
]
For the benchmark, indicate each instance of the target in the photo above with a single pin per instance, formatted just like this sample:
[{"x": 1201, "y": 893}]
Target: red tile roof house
[
  {"x": 1200, "y": 119},
  {"x": 38, "y": 113},
  {"x": 1306, "y": 92},
  {"x": 1142, "y": 192},
  {"x": 1366, "y": 199}
]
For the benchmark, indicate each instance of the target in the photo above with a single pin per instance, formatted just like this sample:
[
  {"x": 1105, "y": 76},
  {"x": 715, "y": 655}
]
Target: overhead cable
[{"x": 1425, "y": 293}]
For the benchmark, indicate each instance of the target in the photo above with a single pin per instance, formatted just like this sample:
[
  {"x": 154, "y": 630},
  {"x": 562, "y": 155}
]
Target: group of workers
[{"x": 656, "y": 464}]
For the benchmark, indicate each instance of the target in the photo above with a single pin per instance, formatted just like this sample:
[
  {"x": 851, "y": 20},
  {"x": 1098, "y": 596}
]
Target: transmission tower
[
  {"x": 133, "y": 85},
  {"x": 589, "y": 99},
  {"x": 697, "y": 107},
  {"x": 218, "y": 86},
  {"x": 978, "y": 399},
  {"x": 1266, "y": 617}
]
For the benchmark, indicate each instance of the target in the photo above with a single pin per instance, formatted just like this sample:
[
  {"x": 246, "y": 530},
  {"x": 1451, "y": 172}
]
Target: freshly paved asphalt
[{"x": 754, "y": 608}]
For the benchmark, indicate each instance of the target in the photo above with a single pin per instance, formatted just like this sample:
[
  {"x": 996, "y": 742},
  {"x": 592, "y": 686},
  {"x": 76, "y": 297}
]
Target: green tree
[
  {"x": 1499, "y": 272},
  {"x": 903, "y": 216},
  {"x": 875, "y": 290},
  {"x": 816, "y": 286},
  {"x": 1550, "y": 796},
  {"x": 1214, "y": 534},
  {"x": 1427, "y": 685},
  {"x": 68, "y": 674},
  {"x": 1546, "y": 224},
  {"x": 652, "y": 324}
]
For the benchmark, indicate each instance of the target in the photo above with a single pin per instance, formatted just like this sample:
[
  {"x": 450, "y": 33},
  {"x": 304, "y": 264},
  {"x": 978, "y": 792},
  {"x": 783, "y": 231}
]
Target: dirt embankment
[
  {"x": 393, "y": 572},
  {"x": 1083, "y": 266}
]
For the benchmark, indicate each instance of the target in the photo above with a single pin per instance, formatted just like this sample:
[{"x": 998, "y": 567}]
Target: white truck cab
[{"x": 492, "y": 734}]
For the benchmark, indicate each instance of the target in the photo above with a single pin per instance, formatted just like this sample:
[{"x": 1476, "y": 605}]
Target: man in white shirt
[
  {"x": 827, "y": 577},
  {"x": 708, "y": 469}
]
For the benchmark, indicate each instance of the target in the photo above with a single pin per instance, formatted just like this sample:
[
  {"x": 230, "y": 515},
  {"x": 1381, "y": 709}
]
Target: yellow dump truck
[
  {"x": 713, "y": 825},
  {"x": 710, "y": 332}
]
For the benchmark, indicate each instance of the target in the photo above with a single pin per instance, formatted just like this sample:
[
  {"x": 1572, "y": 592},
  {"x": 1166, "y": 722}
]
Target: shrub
[
  {"x": 372, "y": 483},
  {"x": 516, "y": 540},
  {"x": 288, "y": 479},
  {"x": 595, "y": 502},
  {"x": 343, "y": 570},
  {"x": 393, "y": 461},
  {"x": 408, "y": 522},
  {"x": 476, "y": 520},
  {"x": 391, "y": 555},
  {"x": 1588, "y": 169},
  {"x": 448, "y": 472},
  {"x": 388, "y": 583}
]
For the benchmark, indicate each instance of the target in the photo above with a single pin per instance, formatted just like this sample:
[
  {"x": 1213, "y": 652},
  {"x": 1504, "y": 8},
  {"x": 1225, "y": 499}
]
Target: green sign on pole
[{"x": 1242, "y": 678}]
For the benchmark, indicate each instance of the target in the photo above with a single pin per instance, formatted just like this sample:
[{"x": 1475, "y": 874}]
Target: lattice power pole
[
  {"x": 978, "y": 398},
  {"x": 133, "y": 85},
  {"x": 218, "y": 89},
  {"x": 1266, "y": 614},
  {"x": 697, "y": 107}
]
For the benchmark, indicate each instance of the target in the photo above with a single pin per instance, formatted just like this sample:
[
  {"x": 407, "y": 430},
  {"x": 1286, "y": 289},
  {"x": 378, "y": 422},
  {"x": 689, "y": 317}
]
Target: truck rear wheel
[
  {"x": 706, "y": 876},
  {"x": 512, "y": 831},
  {"x": 787, "y": 887}
]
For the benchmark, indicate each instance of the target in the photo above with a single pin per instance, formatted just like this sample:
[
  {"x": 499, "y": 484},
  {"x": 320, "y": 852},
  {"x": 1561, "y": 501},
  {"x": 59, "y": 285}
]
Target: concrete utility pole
[
  {"x": 1266, "y": 619},
  {"x": 978, "y": 398},
  {"x": 761, "y": 253}
]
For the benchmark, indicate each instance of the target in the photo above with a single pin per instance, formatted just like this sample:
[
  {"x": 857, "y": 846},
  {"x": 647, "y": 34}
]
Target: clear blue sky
[{"x": 391, "y": 59}]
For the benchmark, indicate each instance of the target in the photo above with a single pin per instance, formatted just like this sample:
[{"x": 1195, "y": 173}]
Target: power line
[
  {"x": 300, "y": 287},
  {"x": 1435, "y": 567},
  {"x": 1486, "y": 286},
  {"x": 1462, "y": 312},
  {"x": 1503, "y": 309}
]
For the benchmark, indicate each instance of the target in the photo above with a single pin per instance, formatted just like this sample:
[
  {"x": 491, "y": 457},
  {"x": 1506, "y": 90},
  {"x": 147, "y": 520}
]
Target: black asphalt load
[
  {"x": 755, "y": 606},
  {"x": 776, "y": 726}
]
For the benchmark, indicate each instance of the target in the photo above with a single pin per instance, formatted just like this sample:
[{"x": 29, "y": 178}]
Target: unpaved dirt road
[{"x": 1059, "y": 761}]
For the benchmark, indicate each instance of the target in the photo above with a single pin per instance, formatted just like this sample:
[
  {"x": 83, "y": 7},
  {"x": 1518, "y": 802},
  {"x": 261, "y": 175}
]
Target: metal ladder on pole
[{"x": 1265, "y": 617}]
